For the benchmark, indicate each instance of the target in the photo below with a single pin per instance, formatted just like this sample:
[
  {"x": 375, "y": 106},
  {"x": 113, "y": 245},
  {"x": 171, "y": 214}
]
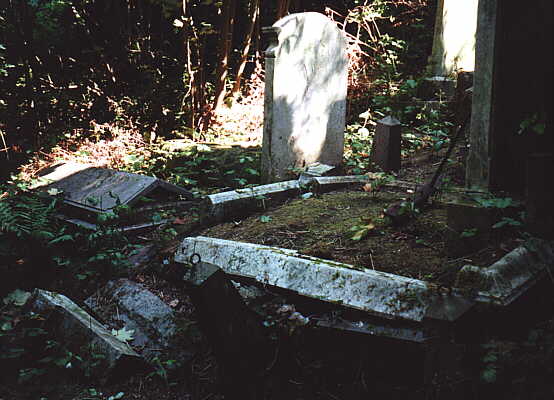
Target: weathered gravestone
[
  {"x": 454, "y": 40},
  {"x": 305, "y": 94}
]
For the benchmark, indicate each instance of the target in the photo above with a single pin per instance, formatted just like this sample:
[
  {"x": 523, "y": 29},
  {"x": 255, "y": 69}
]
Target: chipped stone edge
[
  {"x": 42, "y": 299},
  {"x": 508, "y": 278},
  {"x": 220, "y": 206},
  {"x": 508, "y": 283},
  {"x": 379, "y": 293}
]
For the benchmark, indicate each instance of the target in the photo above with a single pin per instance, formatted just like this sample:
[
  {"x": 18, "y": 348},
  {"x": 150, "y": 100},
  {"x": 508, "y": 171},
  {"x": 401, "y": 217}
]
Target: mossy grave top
[{"x": 349, "y": 227}]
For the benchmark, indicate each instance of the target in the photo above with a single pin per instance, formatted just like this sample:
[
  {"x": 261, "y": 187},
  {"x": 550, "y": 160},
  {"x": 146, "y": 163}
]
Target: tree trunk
[
  {"x": 253, "y": 16},
  {"x": 227, "y": 23},
  {"x": 282, "y": 8}
]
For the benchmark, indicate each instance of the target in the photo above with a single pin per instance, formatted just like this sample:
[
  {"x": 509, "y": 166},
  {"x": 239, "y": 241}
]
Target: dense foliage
[{"x": 163, "y": 64}]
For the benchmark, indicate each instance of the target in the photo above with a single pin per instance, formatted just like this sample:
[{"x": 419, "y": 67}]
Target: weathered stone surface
[
  {"x": 85, "y": 335},
  {"x": 380, "y": 293},
  {"x": 129, "y": 304},
  {"x": 477, "y": 168},
  {"x": 314, "y": 170},
  {"x": 249, "y": 293},
  {"x": 512, "y": 275},
  {"x": 305, "y": 94},
  {"x": 100, "y": 189},
  {"x": 328, "y": 183},
  {"x": 454, "y": 40},
  {"x": 385, "y": 151},
  {"x": 405, "y": 333},
  {"x": 498, "y": 147},
  {"x": 221, "y": 206}
]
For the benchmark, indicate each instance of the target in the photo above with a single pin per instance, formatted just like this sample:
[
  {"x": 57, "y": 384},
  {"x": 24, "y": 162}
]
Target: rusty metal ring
[{"x": 195, "y": 259}]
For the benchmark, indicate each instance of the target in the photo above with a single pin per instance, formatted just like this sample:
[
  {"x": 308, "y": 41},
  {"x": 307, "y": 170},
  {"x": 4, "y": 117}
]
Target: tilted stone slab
[
  {"x": 131, "y": 304},
  {"x": 328, "y": 183},
  {"x": 83, "y": 334},
  {"x": 100, "y": 189},
  {"x": 376, "y": 292},
  {"x": 221, "y": 206},
  {"x": 512, "y": 275}
]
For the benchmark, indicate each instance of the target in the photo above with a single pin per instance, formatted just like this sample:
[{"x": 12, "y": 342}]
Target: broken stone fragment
[
  {"x": 124, "y": 303},
  {"x": 223, "y": 206},
  {"x": 84, "y": 335}
]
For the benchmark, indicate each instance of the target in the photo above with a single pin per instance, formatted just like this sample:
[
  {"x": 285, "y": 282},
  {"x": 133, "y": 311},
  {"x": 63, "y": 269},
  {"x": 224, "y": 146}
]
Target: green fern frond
[{"x": 25, "y": 215}]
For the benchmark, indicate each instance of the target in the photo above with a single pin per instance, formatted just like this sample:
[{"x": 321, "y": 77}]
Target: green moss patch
[{"x": 323, "y": 227}]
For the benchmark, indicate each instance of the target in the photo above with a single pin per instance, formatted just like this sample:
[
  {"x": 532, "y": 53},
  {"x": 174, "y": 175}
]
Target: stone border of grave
[
  {"x": 378, "y": 293},
  {"x": 223, "y": 206}
]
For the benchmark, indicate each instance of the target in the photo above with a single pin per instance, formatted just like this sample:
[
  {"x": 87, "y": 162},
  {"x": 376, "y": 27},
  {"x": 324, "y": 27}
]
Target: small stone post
[{"x": 386, "y": 144}]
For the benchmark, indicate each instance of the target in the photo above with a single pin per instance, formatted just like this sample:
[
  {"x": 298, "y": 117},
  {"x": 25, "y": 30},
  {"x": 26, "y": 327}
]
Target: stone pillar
[
  {"x": 385, "y": 151},
  {"x": 477, "y": 167},
  {"x": 509, "y": 88},
  {"x": 454, "y": 41},
  {"x": 305, "y": 95}
]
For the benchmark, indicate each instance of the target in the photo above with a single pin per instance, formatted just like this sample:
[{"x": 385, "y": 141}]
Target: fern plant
[{"x": 27, "y": 215}]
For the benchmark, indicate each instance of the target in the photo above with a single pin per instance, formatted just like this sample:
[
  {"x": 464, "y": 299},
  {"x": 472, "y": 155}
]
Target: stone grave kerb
[{"x": 305, "y": 94}]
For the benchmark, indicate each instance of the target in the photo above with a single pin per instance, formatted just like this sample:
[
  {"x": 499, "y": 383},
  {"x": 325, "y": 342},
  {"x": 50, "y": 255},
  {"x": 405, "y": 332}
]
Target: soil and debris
[{"x": 324, "y": 227}]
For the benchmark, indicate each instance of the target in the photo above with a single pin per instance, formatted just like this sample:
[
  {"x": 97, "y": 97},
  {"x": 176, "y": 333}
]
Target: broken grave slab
[
  {"x": 83, "y": 334},
  {"x": 124, "y": 303},
  {"x": 221, "y": 206},
  {"x": 512, "y": 275},
  {"x": 382, "y": 294},
  {"x": 100, "y": 189},
  {"x": 325, "y": 184}
]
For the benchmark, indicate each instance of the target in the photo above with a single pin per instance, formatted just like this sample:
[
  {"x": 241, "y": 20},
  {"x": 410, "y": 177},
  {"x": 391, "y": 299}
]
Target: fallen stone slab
[
  {"x": 325, "y": 184},
  {"x": 379, "y": 293},
  {"x": 222, "y": 206},
  {"x": 99, "y": 190},
  {"x": 80, "y": 332},
  {"x": 124, "y": 303},
  {"x": 512, "y": 275}
]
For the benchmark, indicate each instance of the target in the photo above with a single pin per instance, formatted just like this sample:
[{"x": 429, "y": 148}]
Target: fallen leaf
[
  {"x": 367, "y": 187},
  {"x": 124, "y": 334}
]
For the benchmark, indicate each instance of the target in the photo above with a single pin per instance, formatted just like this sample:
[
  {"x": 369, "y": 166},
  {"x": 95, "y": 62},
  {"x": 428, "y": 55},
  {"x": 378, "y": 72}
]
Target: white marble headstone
[{"x": 305, "y": 94}]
